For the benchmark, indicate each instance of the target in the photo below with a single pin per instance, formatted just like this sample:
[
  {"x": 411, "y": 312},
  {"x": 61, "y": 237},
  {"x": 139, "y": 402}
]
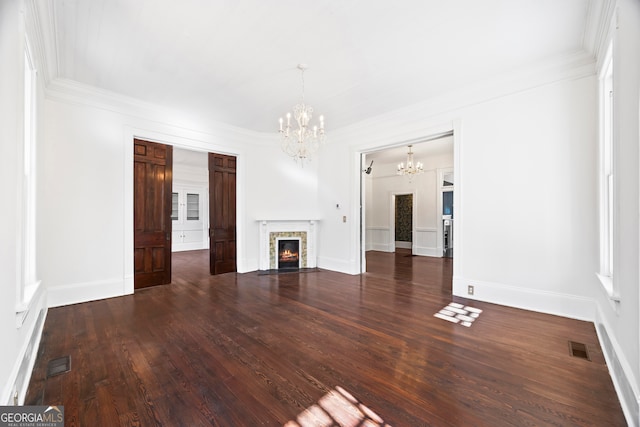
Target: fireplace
[
  {"x": 288, "y": 254},
  {"x": 272, "y": 231}
]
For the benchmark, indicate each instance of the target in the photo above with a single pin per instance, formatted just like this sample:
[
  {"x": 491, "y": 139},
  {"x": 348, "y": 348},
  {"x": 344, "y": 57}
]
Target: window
[
  {"x": 607, "y": 173},
  {"x": 28, "y": 283}
]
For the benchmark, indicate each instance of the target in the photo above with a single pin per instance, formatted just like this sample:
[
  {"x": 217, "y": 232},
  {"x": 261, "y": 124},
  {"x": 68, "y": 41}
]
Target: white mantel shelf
[{"x": 268, "y": 226}]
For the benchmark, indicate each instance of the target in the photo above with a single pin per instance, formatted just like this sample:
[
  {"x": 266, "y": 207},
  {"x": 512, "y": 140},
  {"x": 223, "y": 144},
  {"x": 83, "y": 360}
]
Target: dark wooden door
[
  {"x": 152, "y": 175},
  {"x": 222, "y": 213}
]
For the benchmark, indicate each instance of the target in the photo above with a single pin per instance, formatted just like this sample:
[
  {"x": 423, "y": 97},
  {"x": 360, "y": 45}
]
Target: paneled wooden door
[
  {"x": 222, "y": 213},
  {"x": 152, "y": 175}
]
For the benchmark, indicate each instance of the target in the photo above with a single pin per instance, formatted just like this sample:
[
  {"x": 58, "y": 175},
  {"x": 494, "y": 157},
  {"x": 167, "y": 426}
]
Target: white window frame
[
  {"x": 607, "y": 174},
  {"x": 28, "y": 284}
]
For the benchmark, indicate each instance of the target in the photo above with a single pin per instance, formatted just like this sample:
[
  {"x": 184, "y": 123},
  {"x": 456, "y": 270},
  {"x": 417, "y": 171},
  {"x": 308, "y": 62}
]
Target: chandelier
[
  {"x": 302, "y": 142},
  {"x": 412, "y": 168}
]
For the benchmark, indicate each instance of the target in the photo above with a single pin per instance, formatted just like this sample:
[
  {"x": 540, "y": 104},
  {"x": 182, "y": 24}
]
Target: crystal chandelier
[
  {"x": 302, "y": 142},
  {"x": 412, "y": 168}
]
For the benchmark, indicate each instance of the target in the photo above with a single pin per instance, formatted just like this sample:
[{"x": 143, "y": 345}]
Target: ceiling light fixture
[
  {"x": 412, "y": 168},
  {"x": 303, "y": 142}
]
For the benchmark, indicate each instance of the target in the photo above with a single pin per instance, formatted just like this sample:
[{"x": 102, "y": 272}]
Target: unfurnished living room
[{"x": 320, "y": 213}]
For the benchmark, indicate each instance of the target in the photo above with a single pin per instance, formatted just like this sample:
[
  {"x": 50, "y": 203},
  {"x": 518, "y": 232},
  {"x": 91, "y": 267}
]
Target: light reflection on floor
[
  {"x": 337, "y": 408},
  {"x": 459, "y": 313}
]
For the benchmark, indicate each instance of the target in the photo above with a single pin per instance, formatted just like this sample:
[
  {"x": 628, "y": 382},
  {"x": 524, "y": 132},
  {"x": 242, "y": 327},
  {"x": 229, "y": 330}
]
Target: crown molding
[
  {"x": 598, "y": 28},
  {"x": 572, "y": 66},
  {"x": 591, "y": 32},
  {"x": 72, "y": 92},
  {"x": 40, "y": 27}
]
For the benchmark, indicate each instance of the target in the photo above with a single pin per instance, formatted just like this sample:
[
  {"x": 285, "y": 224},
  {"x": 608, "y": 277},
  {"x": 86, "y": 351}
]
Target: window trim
[
  {"x": 606, "y": 175},
  {"x": 28, "y": 285}
]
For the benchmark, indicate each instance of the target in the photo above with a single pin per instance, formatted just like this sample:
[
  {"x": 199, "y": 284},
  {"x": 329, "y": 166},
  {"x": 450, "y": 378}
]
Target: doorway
[
  {"x": 199, "y": 212},
  {"x": 380, "y": 187},
  {"x": 403, "y": 221}
]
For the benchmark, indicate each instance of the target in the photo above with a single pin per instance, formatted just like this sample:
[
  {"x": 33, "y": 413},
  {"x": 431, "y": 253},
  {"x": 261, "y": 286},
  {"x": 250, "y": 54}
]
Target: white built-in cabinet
[{"x": 189, "y": 216}]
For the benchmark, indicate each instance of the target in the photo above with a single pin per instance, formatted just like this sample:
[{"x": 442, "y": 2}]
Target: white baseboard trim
[
  {"x": 382, "y": 247},
  {"x": 427, "y": 251},
  {"x": 339, "y": 265},
  {"x": 128, "y": 283},
  {"x": 89, "y": 291},
  {"x": 572, "y": 306},
  {"x": 247, "y": 265},
  {"x": 26, "y": 358},
  {"x": 620, "y": 371},
  {"x": 182, "y": 247},
  {"x": 403, "y": 245}
]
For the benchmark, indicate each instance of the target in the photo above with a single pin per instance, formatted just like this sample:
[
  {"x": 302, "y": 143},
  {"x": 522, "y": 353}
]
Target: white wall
[
  {"x": 619, "y": 323},
  {"x": 524, "y": 189},
  {"x": 19, "y": 336},
  {"x": 86, "y": 187},
  {"x": 526, "y": 225},
  {"x": 528, "y": 195}
]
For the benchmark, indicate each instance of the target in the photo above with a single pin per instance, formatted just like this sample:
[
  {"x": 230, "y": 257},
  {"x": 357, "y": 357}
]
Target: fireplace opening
[{"x": 288, "y": 254}]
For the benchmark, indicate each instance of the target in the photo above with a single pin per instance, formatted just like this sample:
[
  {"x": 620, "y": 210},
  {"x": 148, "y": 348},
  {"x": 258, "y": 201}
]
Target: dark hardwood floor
[{"x": 297, "y": 348}]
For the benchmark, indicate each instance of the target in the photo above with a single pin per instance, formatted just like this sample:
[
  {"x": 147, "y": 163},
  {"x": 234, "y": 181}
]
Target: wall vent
[
  {"x": 58, "y": 366},
  {"x": 578, "y": 349}
]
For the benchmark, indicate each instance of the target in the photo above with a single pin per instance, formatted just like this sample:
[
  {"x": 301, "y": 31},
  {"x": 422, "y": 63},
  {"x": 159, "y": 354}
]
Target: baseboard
[
  {"x": 26, "y": 358},
  {"x": 403, "y": 245},
  {"x": 620, "y": 371},
  {"x": 572, "y": 306},
  {"x": 427, "y": 251},
  {"x": 247, "y": 265},
  {"x": 382, "y": 247},
  {"x": 182, "y": 247},
  {"x": 88, "y": 291},
  {"x": 339, "y": 265}
]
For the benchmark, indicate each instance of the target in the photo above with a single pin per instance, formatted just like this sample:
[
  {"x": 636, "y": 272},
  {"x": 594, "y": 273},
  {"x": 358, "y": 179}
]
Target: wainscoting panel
[
  {"x": 426, "y": 242},
  {"x": 379, "y": 239}
]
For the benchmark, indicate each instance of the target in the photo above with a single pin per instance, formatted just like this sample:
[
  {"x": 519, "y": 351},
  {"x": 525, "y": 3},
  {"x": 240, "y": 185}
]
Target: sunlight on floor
[
  {"x": 459, "y": 313},
  {"x": 337, "y": 408}
]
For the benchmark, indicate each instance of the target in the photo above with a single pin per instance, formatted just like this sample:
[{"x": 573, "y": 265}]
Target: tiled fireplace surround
[{"x": 273, "y": 230}]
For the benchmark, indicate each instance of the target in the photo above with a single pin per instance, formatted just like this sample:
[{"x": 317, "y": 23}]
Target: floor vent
[
  {"x": 58, "y": 366},
  {"x": 578, "y": 349}
]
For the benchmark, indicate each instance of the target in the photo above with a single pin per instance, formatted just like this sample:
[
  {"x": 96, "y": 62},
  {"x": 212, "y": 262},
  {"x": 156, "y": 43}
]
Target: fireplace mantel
[{"x": 271, "y": 229}]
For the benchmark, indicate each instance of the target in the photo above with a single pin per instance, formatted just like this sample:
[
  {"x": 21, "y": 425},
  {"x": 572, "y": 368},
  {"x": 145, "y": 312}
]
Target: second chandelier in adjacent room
[{"x": 412, "y": 168}]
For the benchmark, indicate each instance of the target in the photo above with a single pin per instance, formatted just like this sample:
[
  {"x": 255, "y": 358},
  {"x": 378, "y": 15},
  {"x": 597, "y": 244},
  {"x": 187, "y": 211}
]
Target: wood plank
[{"x": 249, "y": 349}]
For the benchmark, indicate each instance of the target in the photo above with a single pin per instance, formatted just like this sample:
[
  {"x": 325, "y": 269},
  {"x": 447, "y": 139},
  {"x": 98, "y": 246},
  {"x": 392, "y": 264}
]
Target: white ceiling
[{"x": 234, "y": 61}]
